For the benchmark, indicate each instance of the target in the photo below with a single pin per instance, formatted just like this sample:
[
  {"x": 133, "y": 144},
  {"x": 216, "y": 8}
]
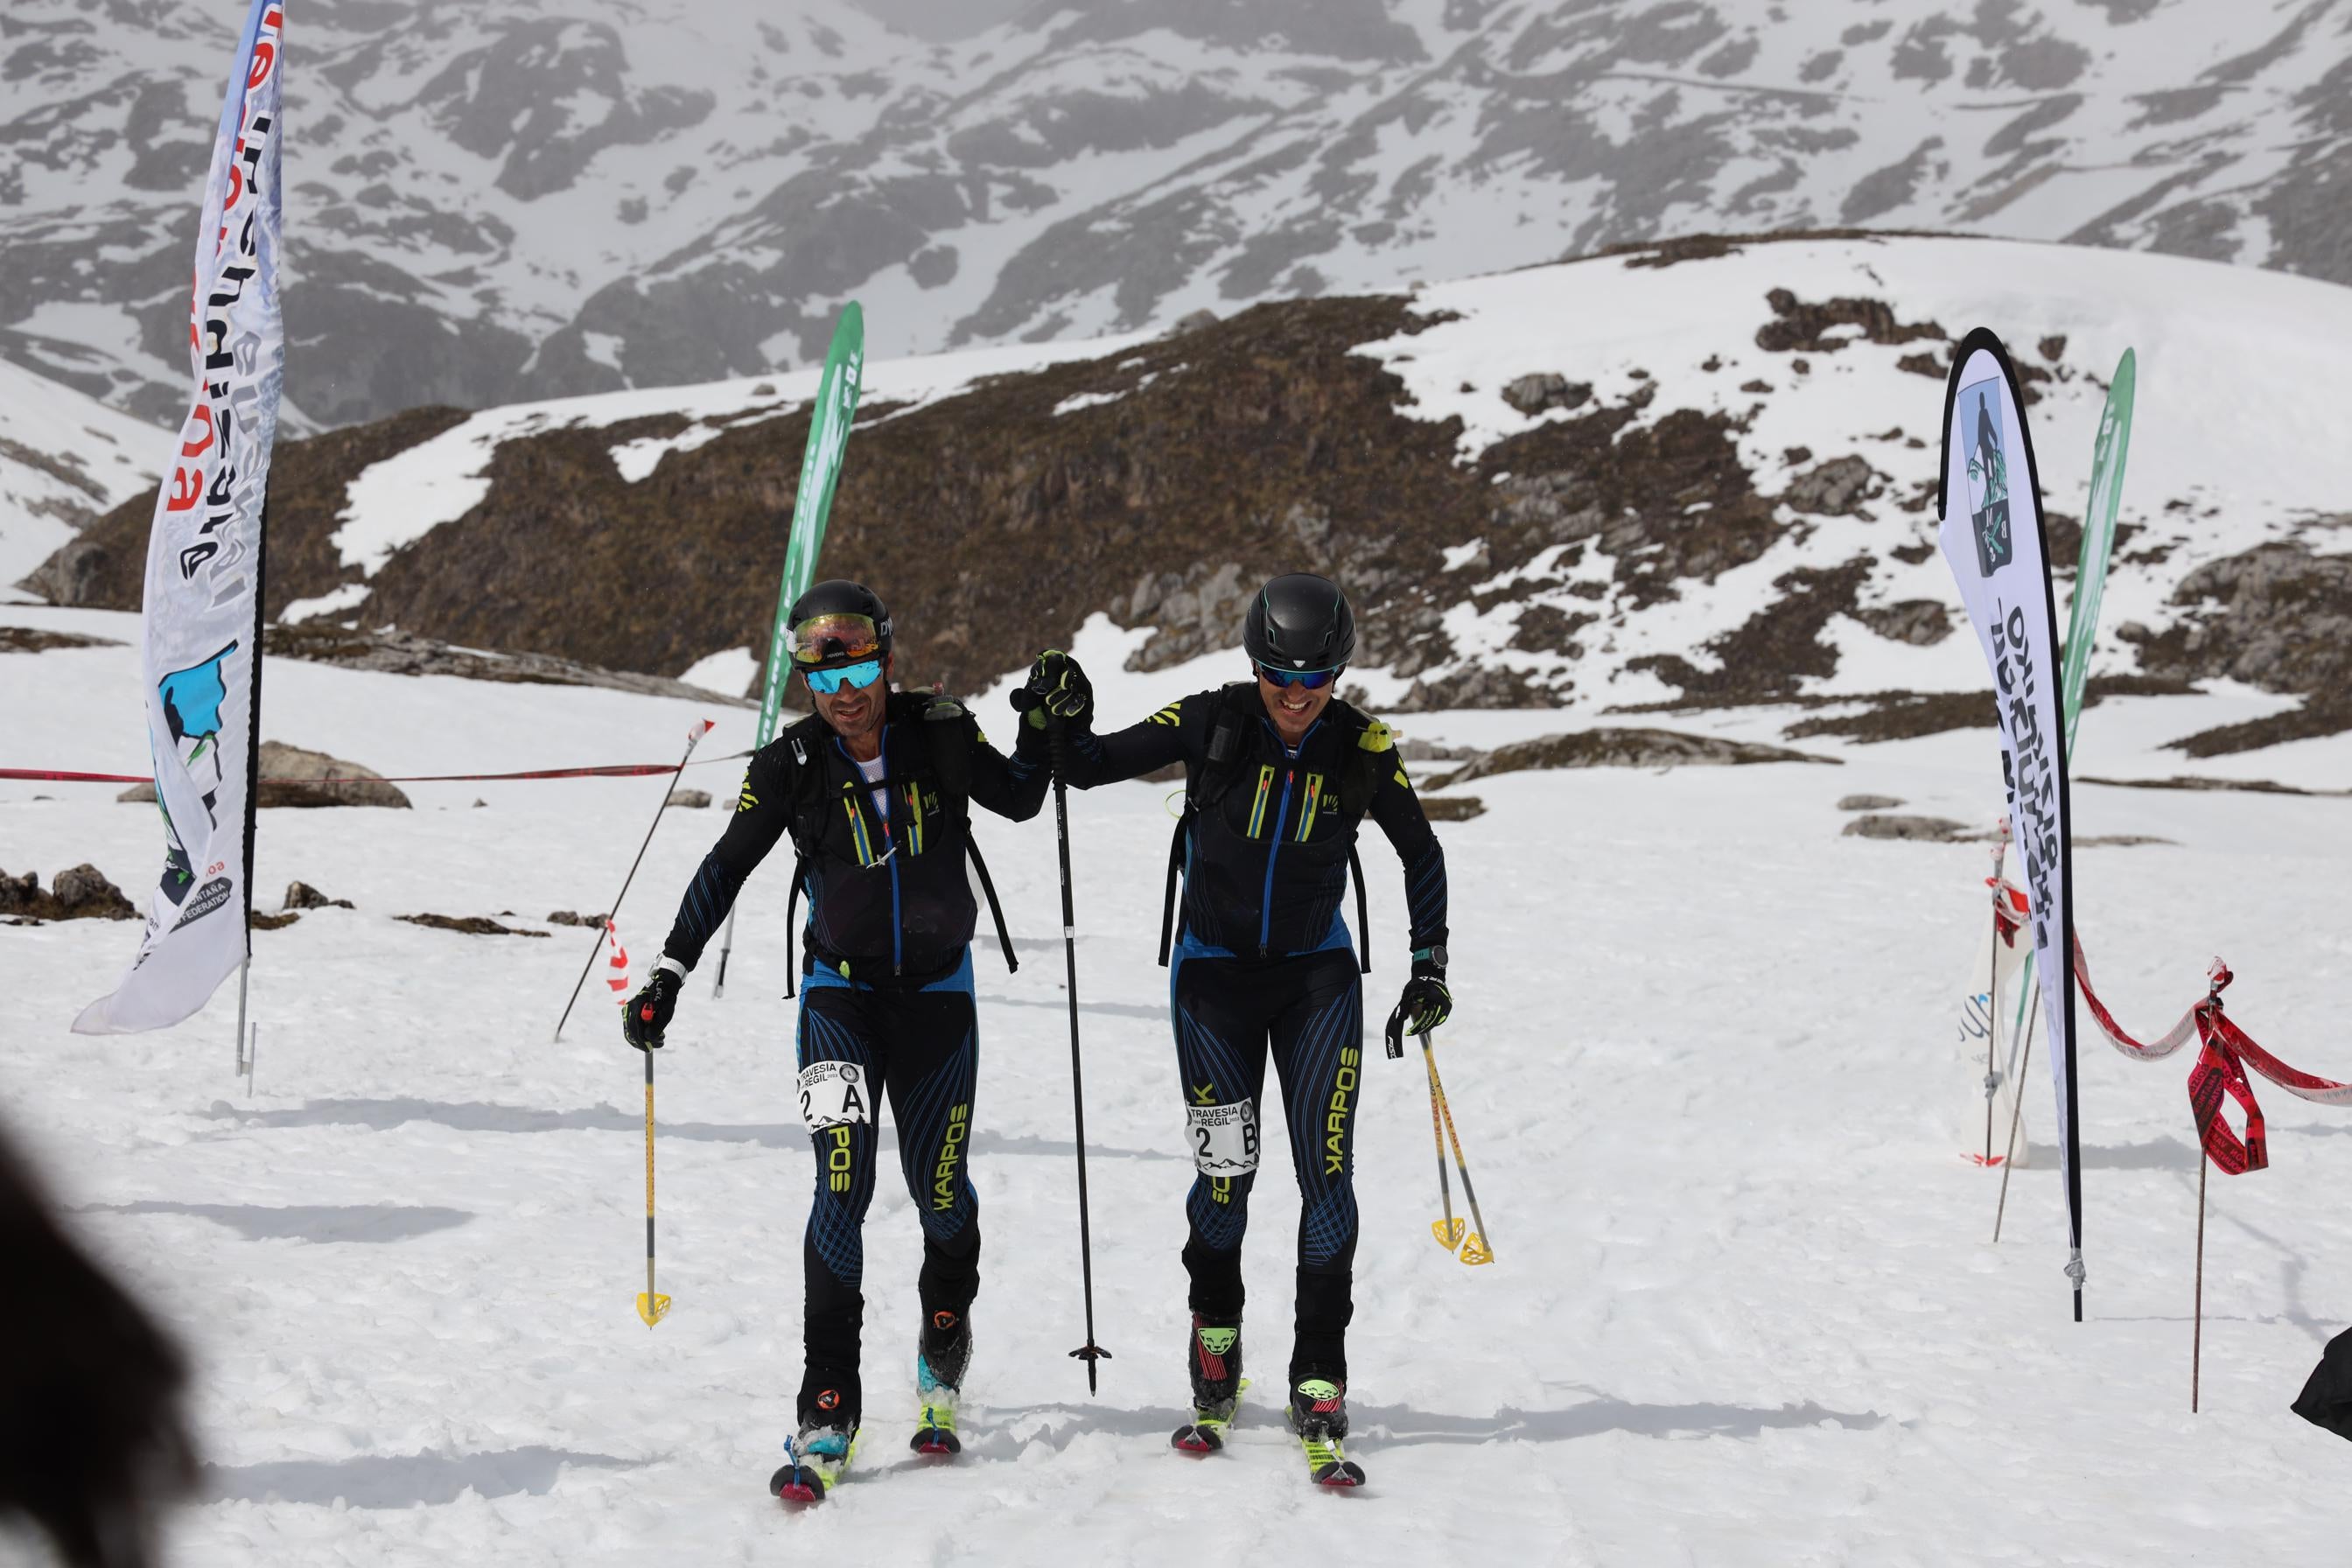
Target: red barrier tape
[
  {"x": 2224, "y": 1056},
  {"x": 615, "y": 771}
]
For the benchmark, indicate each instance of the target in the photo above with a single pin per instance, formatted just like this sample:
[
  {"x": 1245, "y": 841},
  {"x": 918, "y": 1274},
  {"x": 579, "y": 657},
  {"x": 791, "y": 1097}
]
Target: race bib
[
  {"x": 833, "y": 1094},
  {"x": 1223, "y": 1137}
]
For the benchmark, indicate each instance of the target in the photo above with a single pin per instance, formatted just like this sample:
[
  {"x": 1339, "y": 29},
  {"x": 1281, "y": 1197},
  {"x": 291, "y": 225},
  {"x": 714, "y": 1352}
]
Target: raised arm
[
  {"x": 1011, "y": 786},
  {"x": 1059, "y": 693}
]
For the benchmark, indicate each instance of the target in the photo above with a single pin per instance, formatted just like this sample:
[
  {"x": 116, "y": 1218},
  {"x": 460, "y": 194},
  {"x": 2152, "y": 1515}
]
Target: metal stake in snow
[
  {"x": 2016, "y": 1108},
  {"x": 1992, "y": 1006},
  {"x": 2197, "y": 1334},
  {"x": 693, "y": 739}
]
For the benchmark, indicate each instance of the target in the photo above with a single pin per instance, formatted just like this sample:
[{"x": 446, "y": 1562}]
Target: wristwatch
[{"x": 1435, "y": 955}]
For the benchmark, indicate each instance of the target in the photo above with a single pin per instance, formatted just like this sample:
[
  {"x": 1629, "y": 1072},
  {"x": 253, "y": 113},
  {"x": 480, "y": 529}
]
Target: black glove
[
  {"x": 1427, "y": 1003},
  {"x": 647, "y": 1014},
  {"x": 1058, "y": 688}
]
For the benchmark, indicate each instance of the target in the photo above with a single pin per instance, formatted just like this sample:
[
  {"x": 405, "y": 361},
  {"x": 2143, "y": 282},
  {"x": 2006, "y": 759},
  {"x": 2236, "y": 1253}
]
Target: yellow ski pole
[
  {"x": 1448, "y": 1231},
  {"x": 652, "y": 1306},
  {"x": 1474, "y": 1249}
]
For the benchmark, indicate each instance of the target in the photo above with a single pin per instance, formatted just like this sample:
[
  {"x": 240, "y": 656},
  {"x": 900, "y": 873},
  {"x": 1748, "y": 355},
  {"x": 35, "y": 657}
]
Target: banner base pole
[
  {"x": 2197, "y": 1334},
  {"x": 243, "y": 974}
]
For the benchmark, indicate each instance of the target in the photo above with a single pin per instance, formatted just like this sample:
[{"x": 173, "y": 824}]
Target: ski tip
[
  {"x": 796, "y": 1484},
  {"x": 936, "y": 1442},
  {"x": 1342, "y": 1476}
]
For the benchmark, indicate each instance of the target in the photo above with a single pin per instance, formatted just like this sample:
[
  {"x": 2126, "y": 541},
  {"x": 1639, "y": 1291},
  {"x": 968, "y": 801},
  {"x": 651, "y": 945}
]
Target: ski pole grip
[{"x": 1396, "y": 1032}]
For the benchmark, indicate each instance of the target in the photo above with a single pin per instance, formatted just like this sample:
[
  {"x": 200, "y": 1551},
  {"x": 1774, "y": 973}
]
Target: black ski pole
[
  {"x": 693, "y": 739},
  {"x": 1089, "y": 1352}
]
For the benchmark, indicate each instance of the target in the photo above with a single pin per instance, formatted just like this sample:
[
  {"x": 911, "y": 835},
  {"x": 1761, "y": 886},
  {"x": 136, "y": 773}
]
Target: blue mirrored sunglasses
[
  {"x": 864, "y": 673},
  {"x": 1313, "y": 679}
]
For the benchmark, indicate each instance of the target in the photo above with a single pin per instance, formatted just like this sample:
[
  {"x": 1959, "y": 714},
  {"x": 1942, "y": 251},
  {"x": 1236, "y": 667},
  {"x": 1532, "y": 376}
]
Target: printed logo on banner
[
  {"x": 2031, "y": 769},
  {"x": 191, "y": 700},
  {"x": 1987, "y": 477}
]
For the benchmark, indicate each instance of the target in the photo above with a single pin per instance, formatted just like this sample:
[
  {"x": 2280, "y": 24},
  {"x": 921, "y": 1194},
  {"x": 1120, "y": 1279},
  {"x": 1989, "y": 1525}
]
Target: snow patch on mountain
[{"x": 65, "y": 459}]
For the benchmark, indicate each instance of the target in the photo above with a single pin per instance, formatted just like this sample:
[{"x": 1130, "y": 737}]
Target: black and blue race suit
[
  {"x": 1264, "y": 962},
  {"x": 887, "y": 985}
]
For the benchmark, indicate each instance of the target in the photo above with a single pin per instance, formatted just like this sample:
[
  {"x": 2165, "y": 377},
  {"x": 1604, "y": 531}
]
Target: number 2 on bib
[{"x": 1223, "y": 1137}]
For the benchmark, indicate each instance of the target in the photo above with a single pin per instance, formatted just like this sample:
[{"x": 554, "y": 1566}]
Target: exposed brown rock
[
  {"x": 693, "y": 799},
  {"x": 302, "y": 896},
  {"x": 395, "y": 652},
  {"x": 288, "y": 775},
  {"x": 471, "y": 925},
  {"x": 1834, "y": 488},
  {"x": 1931, "y": 829},
  {"x": 255, "y": 920},
  {"x": 2190, "y": 782},
  {"x": 32, "y": 639},
  {"x": 1868, "y": 803},
  {"x": 77, "y": 893},
  {"x": 1532, "y": 395},
  {"x": 1800, "y": 326},
  {"x": 1617, "y": 748},
  {"x": 1920, "y": 622},
  {"x": 1452, "y": 807}
]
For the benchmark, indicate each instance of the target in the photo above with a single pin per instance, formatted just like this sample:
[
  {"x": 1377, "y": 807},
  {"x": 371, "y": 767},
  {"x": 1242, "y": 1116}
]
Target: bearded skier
[
  {"x": 873, "y": 790},
  {"x": 1278, "y": 775}
]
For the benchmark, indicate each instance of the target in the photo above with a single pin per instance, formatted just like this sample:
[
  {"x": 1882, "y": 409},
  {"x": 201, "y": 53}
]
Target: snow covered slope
[
  {"x": 1743, "y": 1311},
  {"x": 65, "y": 459},
  {"x": 496, "y": 202}
]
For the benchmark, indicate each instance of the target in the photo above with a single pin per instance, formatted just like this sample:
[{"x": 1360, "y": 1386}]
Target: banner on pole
[
  {"x": 203, "y": 600},
  {"x": 1990, "y": 504},
  {"x": 828, "y": 441}
]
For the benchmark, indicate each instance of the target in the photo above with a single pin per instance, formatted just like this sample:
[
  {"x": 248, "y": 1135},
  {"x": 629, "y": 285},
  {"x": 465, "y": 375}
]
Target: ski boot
[
  {"x": 942, "y": 1352},
  {"x": 818, "y": 1456},
  {"x": 1213, "y": 1355},
  {"x": 1319, "y": 1414}
]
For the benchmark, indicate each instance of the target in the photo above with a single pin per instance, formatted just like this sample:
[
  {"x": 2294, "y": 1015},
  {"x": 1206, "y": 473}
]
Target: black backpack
[
  {"x": 950, "y": 768},
  {"x": 1239, "y": 707}
]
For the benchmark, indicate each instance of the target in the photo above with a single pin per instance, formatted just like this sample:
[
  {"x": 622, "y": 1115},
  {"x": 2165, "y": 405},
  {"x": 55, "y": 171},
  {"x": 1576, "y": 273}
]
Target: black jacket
[
  {"x": 888, "y": 895},
  {"x": 1268, "y": 862}
]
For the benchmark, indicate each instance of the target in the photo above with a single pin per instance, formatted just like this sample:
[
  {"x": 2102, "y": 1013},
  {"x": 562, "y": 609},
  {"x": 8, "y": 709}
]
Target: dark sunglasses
[{"x": 1313, "y": 679}]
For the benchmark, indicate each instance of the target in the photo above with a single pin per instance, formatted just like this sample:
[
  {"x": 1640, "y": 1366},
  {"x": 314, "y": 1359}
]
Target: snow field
[{"x": 1744, "y": 1309}]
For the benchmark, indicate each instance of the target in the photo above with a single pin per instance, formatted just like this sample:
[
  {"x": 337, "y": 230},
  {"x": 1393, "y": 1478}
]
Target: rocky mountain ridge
[{"x": 534, "y": 198}]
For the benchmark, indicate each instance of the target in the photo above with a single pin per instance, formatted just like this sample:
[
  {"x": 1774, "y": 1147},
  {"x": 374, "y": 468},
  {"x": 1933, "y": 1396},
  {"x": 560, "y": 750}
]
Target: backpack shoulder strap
[
  {"x": 1230, "y": 713},
  {"x": 1372, "y": 752},
  {"x": 798, "y": 742},
  {"x": 940, "y": 720},
  {"x": 941, "y": 723}
]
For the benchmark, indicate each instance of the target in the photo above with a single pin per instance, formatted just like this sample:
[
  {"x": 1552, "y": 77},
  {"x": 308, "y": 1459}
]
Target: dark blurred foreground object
[
  {"x": 93, "y": 1446},
  {"x": 2327, "y": 1399}
]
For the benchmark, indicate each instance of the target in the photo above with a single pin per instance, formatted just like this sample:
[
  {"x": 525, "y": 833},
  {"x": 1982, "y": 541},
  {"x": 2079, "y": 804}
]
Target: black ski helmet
[
  {"x": 1300, "y": 621},
  {"x": 837, "y": 622}
]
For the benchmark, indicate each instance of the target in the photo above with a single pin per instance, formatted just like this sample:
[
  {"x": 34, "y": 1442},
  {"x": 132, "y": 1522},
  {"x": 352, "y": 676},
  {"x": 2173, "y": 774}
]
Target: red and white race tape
[
  {"x": 2221, "y": 1062},
  {"x": 614, "y": 771}
]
